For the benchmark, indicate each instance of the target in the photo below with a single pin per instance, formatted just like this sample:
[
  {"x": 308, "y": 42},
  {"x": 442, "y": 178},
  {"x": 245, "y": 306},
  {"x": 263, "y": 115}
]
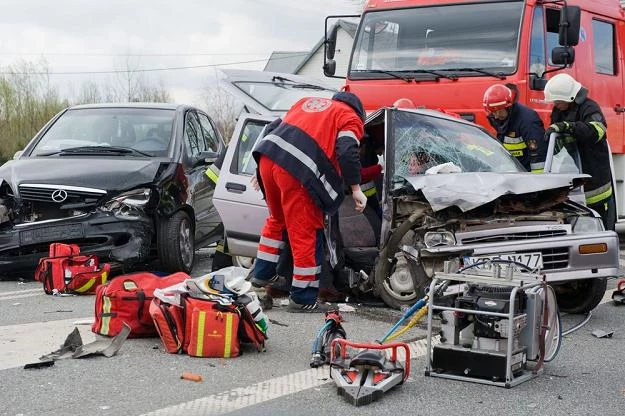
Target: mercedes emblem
[{"x": 59, "y": 195}]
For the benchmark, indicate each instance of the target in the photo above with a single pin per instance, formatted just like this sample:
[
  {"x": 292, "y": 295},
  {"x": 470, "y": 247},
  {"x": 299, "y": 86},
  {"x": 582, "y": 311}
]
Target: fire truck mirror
[
  {"x": 569, "y": 25},
  {"x": 563, "y": 55}
]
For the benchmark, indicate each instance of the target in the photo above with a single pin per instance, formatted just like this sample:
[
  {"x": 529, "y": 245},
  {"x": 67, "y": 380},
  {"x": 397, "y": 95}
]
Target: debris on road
[
  {"x": 600, "y": 333},
  {"x": 186, "y": 375}
]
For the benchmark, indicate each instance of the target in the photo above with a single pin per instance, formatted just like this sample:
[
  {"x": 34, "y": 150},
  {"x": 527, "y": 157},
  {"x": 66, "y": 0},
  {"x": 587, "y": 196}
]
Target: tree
[{"x": 223, "y": 108}]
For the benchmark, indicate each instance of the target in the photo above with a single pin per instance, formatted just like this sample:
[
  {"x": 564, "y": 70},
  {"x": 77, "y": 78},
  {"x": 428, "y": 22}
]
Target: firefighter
[
  {"x": 299, "y": 159},
  {"x": 518, "y": 127},
  {"x": 581, "y": 121}
]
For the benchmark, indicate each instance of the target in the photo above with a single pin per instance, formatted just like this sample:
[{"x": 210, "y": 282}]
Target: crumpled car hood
[
  {"x": 110, "y": 174},
  {"x": 470, "y": 190}
]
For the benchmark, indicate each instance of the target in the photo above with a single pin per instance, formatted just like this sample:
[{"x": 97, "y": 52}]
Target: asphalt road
[{"x": 585, "y": 378}]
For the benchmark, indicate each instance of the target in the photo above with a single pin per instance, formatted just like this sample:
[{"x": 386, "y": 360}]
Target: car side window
[
  {"x": 211, "y": 140},
  {"x": 193, "y": 137},
  {"x": 243, "y": 162},
  {"x": 603, "y": 40}
]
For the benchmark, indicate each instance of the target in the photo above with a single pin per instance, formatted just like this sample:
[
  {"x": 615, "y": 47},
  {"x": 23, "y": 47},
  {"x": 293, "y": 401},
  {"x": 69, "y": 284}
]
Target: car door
[
  {"x": 242, "y": 209},
  {"x": 199, "y": 138}
]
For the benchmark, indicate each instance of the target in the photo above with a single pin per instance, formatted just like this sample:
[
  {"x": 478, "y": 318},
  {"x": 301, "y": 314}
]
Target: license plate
[
  {"x": 533, "y": 261},
  {"x": 51, "y": 233}
]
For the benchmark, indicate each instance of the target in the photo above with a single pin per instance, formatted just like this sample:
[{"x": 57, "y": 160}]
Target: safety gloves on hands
[
  {"x": 562, "y": 128},
  {"x": 360, "y": 199}
]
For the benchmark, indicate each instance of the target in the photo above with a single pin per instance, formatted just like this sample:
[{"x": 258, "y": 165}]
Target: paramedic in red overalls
[{"x": 304, "y": 162}]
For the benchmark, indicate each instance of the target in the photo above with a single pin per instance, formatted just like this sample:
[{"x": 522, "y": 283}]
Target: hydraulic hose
[
  {"x": 420, "y": 314},
  {"x": 420, "y": 303}
]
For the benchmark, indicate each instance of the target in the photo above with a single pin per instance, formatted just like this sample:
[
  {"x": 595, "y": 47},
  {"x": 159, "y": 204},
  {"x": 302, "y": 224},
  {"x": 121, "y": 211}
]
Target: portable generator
[{"x": 493, "y": 330}]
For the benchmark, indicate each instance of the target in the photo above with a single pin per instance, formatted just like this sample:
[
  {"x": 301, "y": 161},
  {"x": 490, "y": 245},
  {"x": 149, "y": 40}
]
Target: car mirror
[
  {"x": 207, "y": 158},
  {"x": 537, "y": 83},
  {"x": 18, "y": 154},
  {"x": 568, "y": 35}
]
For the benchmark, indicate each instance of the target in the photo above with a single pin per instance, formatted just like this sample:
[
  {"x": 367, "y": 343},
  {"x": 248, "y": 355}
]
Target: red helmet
[
  {"x": 497, "y": 97},
  {"x": 404, "y": 103}
]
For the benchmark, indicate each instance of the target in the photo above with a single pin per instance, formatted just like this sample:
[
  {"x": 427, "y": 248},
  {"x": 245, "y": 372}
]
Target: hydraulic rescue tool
[
  {"x": 369, "y": 373},
  {"x": 331, "y": 330}
]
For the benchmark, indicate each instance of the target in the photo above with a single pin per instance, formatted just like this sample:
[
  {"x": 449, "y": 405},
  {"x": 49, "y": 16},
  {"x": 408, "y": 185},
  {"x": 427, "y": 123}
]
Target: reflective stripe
[
  {"x": 600, "y": 129},
  {"x": 201, "y": 322},
  {"x": 87, "y": 285},
  {"x": 307, "y": 271},
  {"x": 368, "y": 189},
  {"x": 106, "y": 319},
  {"x": 273, "y": 258},
  {"x": 518, "y": 146},
  {"x": 104, "y": 277},
  {"x": 302, "y": 284},
  {"x": 270, "y": 242},
  {"x": 213, "y": 173},
  {"x": 228, "y": 336},
  {"x": 599, "y": 194},
  {"x": 513, "y": 140},
  {"x": 516, "y": 153},
  {"x": 348, "y": 133},
  {"x": 304, "y": 159},
  {"x": 537, "y": 167}
]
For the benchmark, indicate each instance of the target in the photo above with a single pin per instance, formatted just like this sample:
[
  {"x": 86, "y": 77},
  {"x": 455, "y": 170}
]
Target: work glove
[
  {"x": 562, "y": 127},
  {"x": 360, "y": 199}
]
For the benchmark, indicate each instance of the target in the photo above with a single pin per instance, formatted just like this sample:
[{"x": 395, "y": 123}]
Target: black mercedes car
[{"x": 127, "y": 182}]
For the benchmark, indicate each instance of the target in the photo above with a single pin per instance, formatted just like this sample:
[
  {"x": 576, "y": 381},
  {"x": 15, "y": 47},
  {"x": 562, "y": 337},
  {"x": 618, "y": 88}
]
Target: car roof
[{"x": 164, "y": 106}]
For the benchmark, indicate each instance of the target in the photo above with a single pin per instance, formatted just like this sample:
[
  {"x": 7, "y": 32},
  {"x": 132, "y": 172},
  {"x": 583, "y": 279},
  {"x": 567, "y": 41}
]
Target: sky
[{"x": 108, "y": 35}]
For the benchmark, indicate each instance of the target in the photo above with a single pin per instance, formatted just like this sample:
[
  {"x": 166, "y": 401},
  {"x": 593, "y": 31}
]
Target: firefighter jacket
[
  {"x": 316, "y": 142},
  {"x": 522, "y": 135},
  {"x": 588, "y": 129}
]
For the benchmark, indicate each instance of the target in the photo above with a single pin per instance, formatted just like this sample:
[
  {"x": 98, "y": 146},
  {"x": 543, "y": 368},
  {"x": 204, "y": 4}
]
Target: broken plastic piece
[
  {"x": 105, "y": 347},
  {"x": 186, "y": 375},
  {"x": 600, "y": 333},
  {"x": 40, "y": 364}
]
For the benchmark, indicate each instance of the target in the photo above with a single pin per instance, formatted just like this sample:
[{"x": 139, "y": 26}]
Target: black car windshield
[
  {"x": 456, "y": 37},
  {"x": 281, "y": 94},
  {"x": 423, "y": 142},
  {"x": 147, "y": 131}
]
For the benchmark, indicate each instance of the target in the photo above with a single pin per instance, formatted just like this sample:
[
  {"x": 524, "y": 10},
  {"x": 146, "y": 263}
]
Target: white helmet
[{"x": 562, "y": 87}]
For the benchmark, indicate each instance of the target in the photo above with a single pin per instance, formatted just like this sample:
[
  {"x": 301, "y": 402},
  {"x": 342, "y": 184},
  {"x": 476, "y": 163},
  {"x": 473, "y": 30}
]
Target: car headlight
[
  {"x": 587, "y": 225},
  {"x": 439, "y": 238},
  {"x": 137, "y": 198}
]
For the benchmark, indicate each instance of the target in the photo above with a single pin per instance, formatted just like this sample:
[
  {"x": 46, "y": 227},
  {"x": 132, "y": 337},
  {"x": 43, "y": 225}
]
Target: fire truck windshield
[{"x": 483, "y": 36}]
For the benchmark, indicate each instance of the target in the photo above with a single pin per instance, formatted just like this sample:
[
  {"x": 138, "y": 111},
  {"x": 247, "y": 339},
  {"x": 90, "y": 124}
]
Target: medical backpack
[
  {"x": 66, "y": 271},
  {"x": 126, "y": 299}
]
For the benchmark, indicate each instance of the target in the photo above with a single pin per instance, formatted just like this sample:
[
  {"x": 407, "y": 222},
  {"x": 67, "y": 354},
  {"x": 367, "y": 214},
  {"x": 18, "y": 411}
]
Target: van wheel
[
  {"x": 580, "y": 296},
  {"x": 176, "y": 245}
]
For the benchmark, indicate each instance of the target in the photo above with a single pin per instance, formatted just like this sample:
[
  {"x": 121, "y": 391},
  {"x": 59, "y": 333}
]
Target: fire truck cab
[{"x": 446, "y": 53}]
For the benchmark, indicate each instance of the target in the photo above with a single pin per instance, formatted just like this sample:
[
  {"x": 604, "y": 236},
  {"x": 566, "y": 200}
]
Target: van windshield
[{"x": 458, "y": 39}]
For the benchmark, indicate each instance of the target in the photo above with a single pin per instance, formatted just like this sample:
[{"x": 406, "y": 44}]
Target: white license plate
[{"x": 533, "y": 261}]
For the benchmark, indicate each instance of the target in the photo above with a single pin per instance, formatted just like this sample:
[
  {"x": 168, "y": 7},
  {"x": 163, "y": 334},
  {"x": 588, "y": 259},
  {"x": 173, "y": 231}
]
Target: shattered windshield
[
  {"x": 423, "y": 142},
  {"x": 463, "y": 39},
  {"x": 146, "y": 131},
  {"x": 280, "y": 96}
]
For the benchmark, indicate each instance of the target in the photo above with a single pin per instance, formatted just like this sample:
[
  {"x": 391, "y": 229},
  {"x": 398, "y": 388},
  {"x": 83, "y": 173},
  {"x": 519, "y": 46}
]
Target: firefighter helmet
[
  {"x": 351, "y": 100},
  {"x": 497, "y": 97},
  {"x": 404, "y": 103},
  {"x": 562, "y": 87}
]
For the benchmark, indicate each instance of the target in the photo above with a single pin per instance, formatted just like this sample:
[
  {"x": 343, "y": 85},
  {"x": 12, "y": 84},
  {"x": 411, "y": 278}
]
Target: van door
[{"x": 242, "y": 209}]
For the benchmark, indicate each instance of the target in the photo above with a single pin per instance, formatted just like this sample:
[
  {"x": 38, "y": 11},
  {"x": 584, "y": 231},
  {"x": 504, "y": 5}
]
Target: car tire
[
  {"x": 580, "y": 296},
  {"x": 385, "y": 268},
  {"x": 176, "y": 245}
]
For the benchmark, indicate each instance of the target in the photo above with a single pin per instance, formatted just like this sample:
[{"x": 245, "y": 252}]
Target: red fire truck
[{"x": 446, "y": 53}]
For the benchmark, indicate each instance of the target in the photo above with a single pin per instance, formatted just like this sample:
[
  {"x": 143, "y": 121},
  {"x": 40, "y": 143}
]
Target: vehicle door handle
[
  {"x": 235, "y": 187},
  {"x": 619, "y": 109}
]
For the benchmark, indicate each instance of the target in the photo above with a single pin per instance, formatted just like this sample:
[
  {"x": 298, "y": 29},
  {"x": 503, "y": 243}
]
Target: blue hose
[
  {"x": 420, "y": 303},
  {"x": 324, "y": 328}
]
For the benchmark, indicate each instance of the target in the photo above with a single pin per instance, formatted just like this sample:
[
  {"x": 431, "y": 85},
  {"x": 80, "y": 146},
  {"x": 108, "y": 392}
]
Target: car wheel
[
  {"x": 176, "y": 245},
  {"x": 242, "y": 261},
  {"x": 394, "y": 282},
  {"x": 580, "y": 296}
]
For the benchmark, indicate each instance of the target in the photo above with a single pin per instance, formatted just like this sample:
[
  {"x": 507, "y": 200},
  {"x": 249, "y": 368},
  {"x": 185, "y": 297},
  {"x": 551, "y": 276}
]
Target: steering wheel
[{"x": 157, "y": 143}]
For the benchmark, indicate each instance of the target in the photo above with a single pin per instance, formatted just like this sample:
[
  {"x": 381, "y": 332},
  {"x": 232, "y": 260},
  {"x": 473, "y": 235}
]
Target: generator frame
[{"x": 518, "y": 281}]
